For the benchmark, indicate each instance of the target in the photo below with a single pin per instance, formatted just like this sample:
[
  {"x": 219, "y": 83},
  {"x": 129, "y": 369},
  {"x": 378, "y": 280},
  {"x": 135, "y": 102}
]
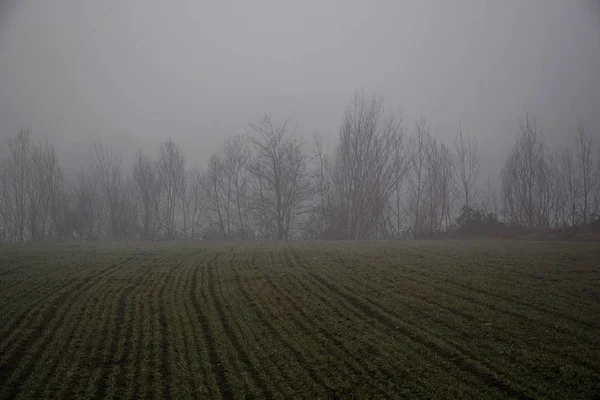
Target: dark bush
[{"x": 477, "y": 222}]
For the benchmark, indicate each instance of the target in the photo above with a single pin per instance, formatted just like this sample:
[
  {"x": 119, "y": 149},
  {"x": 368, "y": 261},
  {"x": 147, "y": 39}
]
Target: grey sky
[{"x": 198, "y": 71}]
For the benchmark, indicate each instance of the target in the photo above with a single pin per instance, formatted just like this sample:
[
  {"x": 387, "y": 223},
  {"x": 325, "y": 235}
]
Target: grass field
[{"x": 320, "y": 320}]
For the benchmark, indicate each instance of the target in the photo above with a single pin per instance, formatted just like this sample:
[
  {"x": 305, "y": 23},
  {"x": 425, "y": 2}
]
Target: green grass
[{"x": 301, "y": 320}]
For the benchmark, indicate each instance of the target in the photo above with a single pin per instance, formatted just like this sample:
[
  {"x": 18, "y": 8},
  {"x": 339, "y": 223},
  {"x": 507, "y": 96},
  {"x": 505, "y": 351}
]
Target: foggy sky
[{"x": 198, "y": 71}]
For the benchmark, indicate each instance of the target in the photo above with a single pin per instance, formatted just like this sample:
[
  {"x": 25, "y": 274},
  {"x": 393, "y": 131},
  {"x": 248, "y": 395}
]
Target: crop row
[{"x": 278, "y": 321}]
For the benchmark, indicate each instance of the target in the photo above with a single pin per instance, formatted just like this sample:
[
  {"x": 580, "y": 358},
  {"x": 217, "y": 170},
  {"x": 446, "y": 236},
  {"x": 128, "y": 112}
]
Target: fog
[
  {"x": 138, "y": 72},
  {"x": 434, "y": 118},
  {"x": 278, "y": 199}
]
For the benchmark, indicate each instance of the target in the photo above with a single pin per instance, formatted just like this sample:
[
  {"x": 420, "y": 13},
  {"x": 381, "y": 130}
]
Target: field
[{"x": 451, "y": 319}]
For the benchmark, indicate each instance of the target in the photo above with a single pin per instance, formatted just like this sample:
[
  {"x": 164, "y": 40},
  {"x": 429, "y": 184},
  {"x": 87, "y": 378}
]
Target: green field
[{"x": 301, "y": 320}]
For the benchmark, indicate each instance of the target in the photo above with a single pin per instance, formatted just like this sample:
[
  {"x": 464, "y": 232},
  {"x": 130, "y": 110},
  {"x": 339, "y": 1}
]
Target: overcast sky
[{"x": 136, "y": 72}]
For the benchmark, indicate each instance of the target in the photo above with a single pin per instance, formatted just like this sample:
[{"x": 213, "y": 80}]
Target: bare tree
[
  {"x": 85, "y": 214},
  {"x": 526, "y": 179},
  {"x": 445, "y": 185},
  {"x": 365, "y": 168},
  {"x": 108, "y": 171},
  {"x": 281, "y": 177},
  {"x": 489, "y": 199},
  {"x": 57, "y": 193},
  {"x": 227, "y": 189},
  {"x": 236, "y": 158},
  {"x": 556, "y": 194},
  {"x": 419, "y": 145},
  {"x": 194, "y": 204},
  {"x": 171, "y": 173},
  {"x": 43, "y": 191},
  {"x": 467, "y": 163},
  {"x": 571, "y": 186},
  {"x": 218, "y": 221},
  {"x": 396, "y": 208},
  {"x": 14, "y": 182},
  {"x": 585, "y": 165},
  {"x": 31, "y": 191},
  {"x": 147, "y": 191},
  {"x": 129, "y": 207},
  {"x": 36, "y": 194},
  {"x": 435, "y": 197},
  {"x": 597, "y": 189},
  {"x": 319, "y": 223}
]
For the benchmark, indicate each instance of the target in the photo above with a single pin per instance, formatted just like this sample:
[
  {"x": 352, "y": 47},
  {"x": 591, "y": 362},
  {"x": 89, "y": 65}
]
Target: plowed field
[{"x": 301, "y": 320}]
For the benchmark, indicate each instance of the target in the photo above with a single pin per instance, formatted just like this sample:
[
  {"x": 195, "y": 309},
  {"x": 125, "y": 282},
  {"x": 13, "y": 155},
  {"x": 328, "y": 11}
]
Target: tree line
[{"x": 381, "y": 181}]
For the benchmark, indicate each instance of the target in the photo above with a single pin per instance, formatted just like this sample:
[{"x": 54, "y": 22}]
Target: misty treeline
[{"x": 382, "y": 181}]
